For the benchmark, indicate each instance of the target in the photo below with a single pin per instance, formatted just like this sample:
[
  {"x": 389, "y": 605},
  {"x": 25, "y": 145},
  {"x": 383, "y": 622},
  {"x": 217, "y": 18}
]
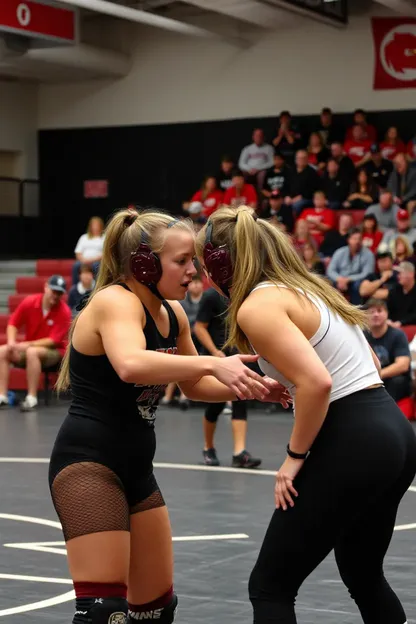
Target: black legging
[
  {"x": 238, "y": 411},
  {"x": 361, "y": 464}
]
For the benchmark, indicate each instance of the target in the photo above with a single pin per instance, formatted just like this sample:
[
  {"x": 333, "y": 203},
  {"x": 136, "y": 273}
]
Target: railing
[{"x": 19, "y": 198}]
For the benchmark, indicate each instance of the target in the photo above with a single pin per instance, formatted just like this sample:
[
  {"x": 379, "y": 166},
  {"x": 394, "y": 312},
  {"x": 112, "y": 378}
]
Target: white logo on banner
[{"x": 23, "y": 14}]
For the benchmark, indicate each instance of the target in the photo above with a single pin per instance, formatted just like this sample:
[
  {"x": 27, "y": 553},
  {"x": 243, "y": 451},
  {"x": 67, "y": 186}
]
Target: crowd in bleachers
[{"x": 346, "y": 198}]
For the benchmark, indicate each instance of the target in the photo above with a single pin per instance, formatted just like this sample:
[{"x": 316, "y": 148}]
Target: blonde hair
[
  {"x": 89, "y": 226},
  {"x": 406, "y": 244},
  {"x": 261, "y": 252},
  {"x": 123, "y": 234}
]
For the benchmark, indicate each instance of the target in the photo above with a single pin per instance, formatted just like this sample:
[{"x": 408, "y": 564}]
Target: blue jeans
[
  {"x": 301, "y": 204},
  {"x": 353, "y": 291},
  {"x": 76, "y": 267}
]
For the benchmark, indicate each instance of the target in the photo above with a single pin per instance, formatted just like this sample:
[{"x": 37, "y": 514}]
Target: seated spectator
[
  {"x": 318, "y": 154},
  {"x": 363, "y": 192},
  {"x": 224, "y": 178},
  {"x": 195, "y": 213},
  {"x": 411, "y": 149},
  {"x": 84, "y": 287},
  {"x": 240, "y": 193},
  {"x": 335, "y": 239},
  {"x": 358, "y": 148},
  {"x": 392, "y": 349},
  {"x": 402, "y": 250},
  {"x": 402, "y": 184},
  {"x": 360, "y": 119},
  {"x": 288, "y": 137},
  {"x": 256, "y": 158},
  {"x": 371, "y": 234},
  {"x": 89, "y": 249},
  {"x": 311, "y": 258},
  {"x": 401, "y": 302},
  {"x": 378, "y": 168},
  {"x": 320, "y": 218},
  {"x": 303, "y": 184},
  {"x": 46, "y": 319},
  {"x": 346, "y": 166},
  {"x": 328, "y": 130},
  {"x": 402, "y": 229},
  {"x": 335, "y": 185},
  {"x": 350, "y": 265},
  {"x": 210, "y": 196},
  {"x": 392, "y": 144},
  {"x": 278, "y": 177},
  {"x": 380, "y": 283},
  {"x": 278, "y": 213},
  {"x": 385, "y": 211}
]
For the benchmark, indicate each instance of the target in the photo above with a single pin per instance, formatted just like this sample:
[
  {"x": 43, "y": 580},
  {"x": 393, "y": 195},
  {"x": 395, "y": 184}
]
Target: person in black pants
[
  {"x": 211, "y": 332},
  {"x": 351, "y": 455},
  {"x": 391, "y": 346},
  {"x": 127, "y": 343}
]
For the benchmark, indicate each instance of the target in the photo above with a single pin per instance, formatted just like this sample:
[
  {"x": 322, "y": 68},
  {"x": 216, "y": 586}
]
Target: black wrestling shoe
[
  {"x": 245, "y": 460},
  {"x": 210, "y": 457}
]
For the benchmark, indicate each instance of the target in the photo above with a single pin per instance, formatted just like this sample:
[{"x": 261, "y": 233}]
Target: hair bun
[{"x": 131, "y": 217}]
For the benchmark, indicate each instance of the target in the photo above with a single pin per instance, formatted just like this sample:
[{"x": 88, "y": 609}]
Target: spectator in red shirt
[
  {"x": 240, "y": 193},
  {"x": 360, "y": 119},
  {"x": 209, "y": 196},
  {"x": 371, "y": 234},
  {"x": 392, "y": 144},
  {"x": 320, "y": 218},
  {"x": 46, "y": 319},
  {"x": 358, "y": 148}
]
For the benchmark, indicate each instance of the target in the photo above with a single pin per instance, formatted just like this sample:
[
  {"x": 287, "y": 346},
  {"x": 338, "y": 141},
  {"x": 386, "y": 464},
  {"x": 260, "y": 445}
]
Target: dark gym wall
[{"x": 159, "y": 165}]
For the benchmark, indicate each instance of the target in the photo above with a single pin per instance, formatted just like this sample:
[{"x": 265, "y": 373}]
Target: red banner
[
  {"x": 95, "y": 189},
  {"x": 37, "y": 20},
  {"x": 395, "y": 52}
]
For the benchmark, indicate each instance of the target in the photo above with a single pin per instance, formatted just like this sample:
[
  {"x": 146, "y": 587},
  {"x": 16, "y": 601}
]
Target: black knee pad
[
  {"x": 100, "y": 611},
  {"x": 164, "y": 615}
]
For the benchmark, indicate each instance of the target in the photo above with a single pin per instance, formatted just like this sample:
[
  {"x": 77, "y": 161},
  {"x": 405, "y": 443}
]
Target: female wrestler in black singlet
[{"x": 126, "y": 345}]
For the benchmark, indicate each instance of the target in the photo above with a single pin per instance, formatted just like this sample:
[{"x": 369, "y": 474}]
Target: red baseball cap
[{"x": 402, "y": 214}]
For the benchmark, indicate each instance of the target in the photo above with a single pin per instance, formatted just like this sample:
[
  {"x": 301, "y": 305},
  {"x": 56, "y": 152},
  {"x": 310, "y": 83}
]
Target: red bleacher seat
[
  {"x": 4, "y": 318},
  {"x": 410, "y": 331},
  {"x": 407, "y": 406},
  {"x": 35, "y": 284},
  {"x": 29, "y": 285},
  {"x": 46, "y": 268},
  {"x": 357, "y": 215},
  {"x": 18, "y": 381}
]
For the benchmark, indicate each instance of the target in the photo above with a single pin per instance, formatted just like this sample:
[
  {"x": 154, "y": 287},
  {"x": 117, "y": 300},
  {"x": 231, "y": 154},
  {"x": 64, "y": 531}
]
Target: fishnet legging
[{"x": 90, "y": 498}]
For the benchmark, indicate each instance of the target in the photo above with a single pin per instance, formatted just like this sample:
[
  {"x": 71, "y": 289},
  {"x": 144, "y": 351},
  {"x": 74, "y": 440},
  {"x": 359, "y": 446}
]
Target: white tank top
[{"x": 342, "y": 348}]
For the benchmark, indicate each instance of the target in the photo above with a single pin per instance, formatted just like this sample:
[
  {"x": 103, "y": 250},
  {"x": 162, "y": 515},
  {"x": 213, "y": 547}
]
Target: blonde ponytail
[
  {"x": 261, "y": 252},
  {"x": 123, "y": 234}
]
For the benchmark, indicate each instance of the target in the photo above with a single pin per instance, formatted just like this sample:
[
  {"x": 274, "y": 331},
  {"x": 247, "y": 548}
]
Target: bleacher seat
[
  {"x": 4, "y": 318},
  {"x": 14, "y": 301},
  {"x": 357, "y": 215},
  {"x": 46, "y": 268},
  {"x": 407, "y": 406},
  {"x": 410, "y": 331},
  {"x": 29, "y": 285},
  {"x": 35, "y": 284}
]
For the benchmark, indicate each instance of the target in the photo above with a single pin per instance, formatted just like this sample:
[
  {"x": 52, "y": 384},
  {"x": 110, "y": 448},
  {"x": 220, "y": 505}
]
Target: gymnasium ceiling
[{"x": 108, "y": 32}]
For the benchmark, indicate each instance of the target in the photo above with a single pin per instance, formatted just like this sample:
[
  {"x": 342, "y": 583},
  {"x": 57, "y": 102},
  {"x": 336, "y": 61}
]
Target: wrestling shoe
[
  {"x": 210, "y": 457},
  {"x": 245, "y": 460}
]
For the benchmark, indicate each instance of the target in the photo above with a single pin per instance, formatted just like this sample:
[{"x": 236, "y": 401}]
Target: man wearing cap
[
  {"x": 278, "y": 213},
  {"x": 378, "y": 168},
  {"x": 46, "y": 318},
  {"x": 402, "y": 229}
]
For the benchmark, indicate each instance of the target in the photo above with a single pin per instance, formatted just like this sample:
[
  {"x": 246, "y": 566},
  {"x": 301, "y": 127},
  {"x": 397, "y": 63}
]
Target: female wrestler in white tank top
[{"x": 342, "y": 348}]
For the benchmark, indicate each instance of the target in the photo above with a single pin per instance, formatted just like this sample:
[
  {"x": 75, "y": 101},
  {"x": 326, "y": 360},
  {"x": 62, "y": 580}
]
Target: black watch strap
[{"x": 294, "y": 455}]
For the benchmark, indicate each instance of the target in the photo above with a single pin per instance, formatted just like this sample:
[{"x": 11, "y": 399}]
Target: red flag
[{"x": 395, "y": 52}]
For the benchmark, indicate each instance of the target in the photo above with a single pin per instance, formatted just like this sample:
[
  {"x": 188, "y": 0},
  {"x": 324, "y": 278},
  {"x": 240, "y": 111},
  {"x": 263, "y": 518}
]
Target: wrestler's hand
[
  {"x": 278, "y": 393},
  {"x": 244, "y": 382},
  {"x": 284, "y": 491}
]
